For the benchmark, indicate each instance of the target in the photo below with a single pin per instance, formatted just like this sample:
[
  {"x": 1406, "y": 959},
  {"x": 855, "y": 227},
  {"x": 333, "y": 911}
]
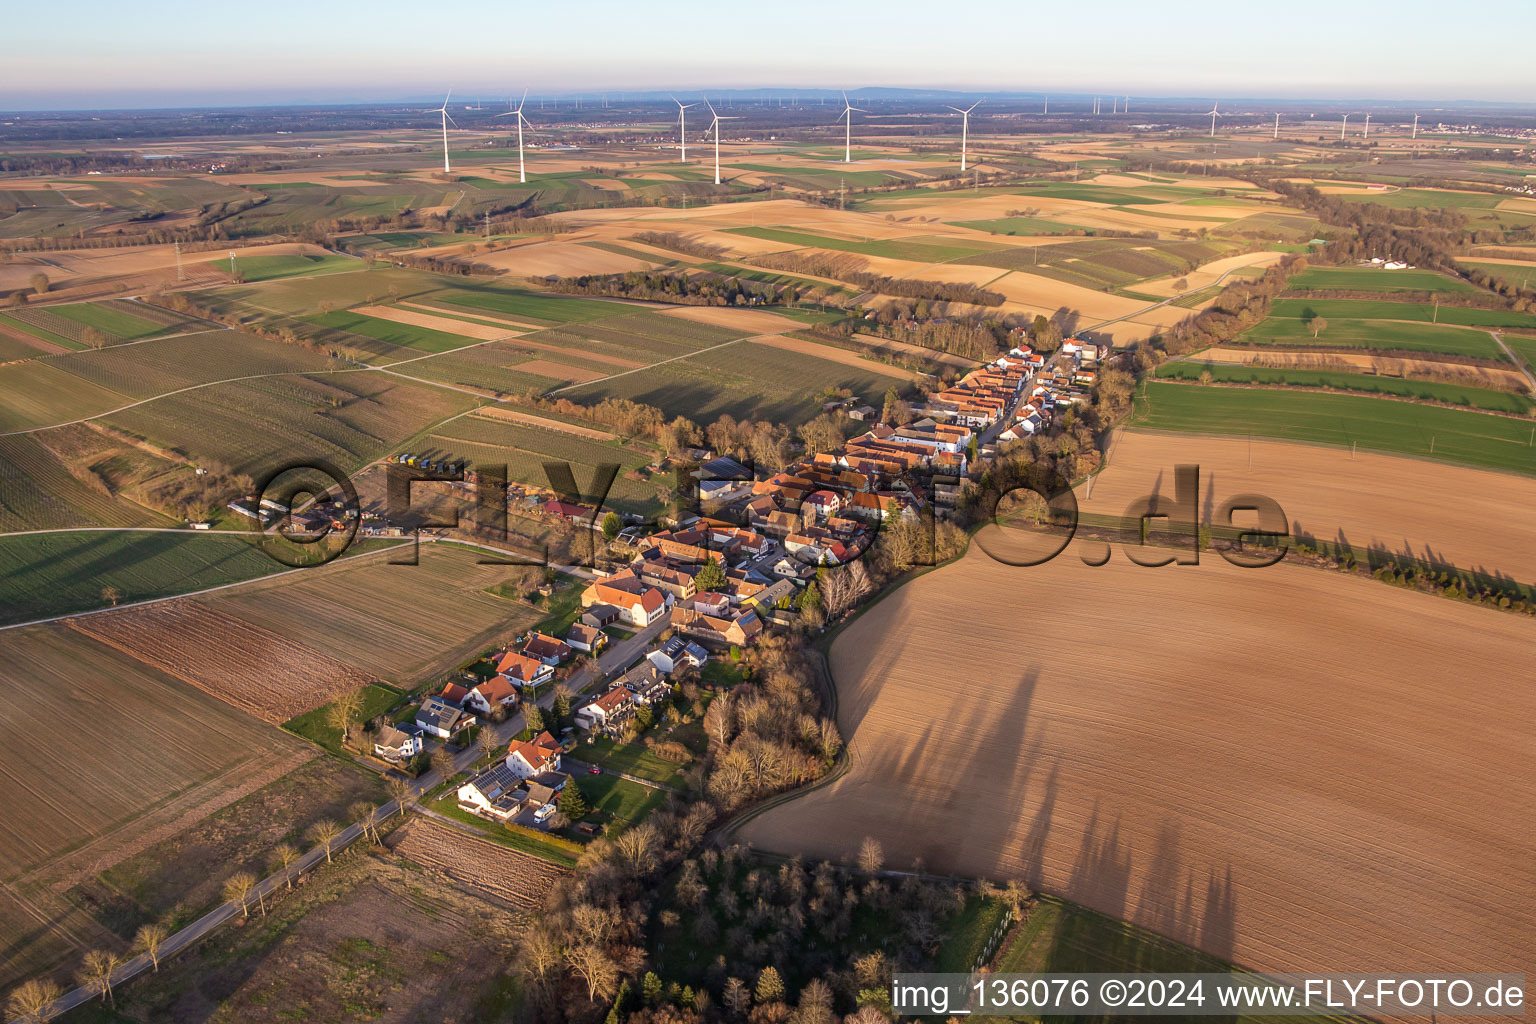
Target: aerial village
[{"x": 708, "y": 584}]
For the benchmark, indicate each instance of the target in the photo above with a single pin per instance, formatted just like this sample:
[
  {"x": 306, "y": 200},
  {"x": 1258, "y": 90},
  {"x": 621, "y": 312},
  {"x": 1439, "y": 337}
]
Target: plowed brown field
[
  {"x": 254, "y": 669},
  {"x": 516, "y": 878},
  {"x": 1282, "y": 766},
  {"x": 1469, "y": 518}
]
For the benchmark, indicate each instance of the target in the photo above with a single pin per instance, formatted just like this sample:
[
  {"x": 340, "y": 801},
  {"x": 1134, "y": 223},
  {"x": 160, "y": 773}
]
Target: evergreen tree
[
  {"x": 770, "y": 987},
  {"x": 710, "y": 577},
  {"x": 572, "y": 804}
]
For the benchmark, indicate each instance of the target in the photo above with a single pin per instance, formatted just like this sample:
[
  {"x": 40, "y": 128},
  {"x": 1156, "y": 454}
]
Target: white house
[
  {"x": 607, "y": 710},
  {"x": 676, "y": 653},
  {"x": 494, "y": 793},
  {"x": 532, "y": 757},
  {"x": 394, "y": 744},
  {"x": 495, "y": 692}
]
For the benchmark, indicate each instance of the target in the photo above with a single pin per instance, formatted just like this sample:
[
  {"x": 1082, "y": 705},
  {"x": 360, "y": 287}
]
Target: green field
[
  {"x": 894, "y": 248},
  {"x": 110, "y": 319},
  {"x": 528, "y": 305},
  {"x": 1375, "y": 279},
  {"x": 748, "y": 381},
  {"x": 423, "y": 339},
  {"x": 47, "y": 574},
  {"x": 1511, "y": 274},
  {"x": 1064, "y": 937},
  {"x": 1453, "y": 394},
  {"x": 1367, "y": 309},
  {"x": 39, "y": 393},
  {"x": 1451, "y": 435},
  {"x": 617, "y": 803},
  {"x": 630, "y": 758},
  {"x": 1524, "y": 348},
  {"x": 1021, "y": 226},
  {"x": 1377, "y": 335},
  {"x": 273, "y": 268}
]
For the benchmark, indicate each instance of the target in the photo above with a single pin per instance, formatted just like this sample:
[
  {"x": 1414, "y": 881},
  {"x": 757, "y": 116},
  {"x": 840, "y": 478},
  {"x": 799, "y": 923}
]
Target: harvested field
[
  {"x": 256, "y": 670},
  {"x": 401, "y": 623},
  {"x": 439, "y": 311},
  {"x": 79, "y": 272},
  {"x": 1471, "y": 518},
  {"x": 1489, "y": 376},
  {"x": 836, "y": 355},
  {"x": 446, "y": 324},
  {"x": 563, "y": 259},
  {"x": 200, "y": 745},
  {"x": 497, "y": 412},
  {"x": 560, "y": 371},
  {"x": 483, "y": 866},
  {"x": 748, "y": 321},
  {"x": 1208, "y": 274},
  {"x": 1252, "y": 762}
]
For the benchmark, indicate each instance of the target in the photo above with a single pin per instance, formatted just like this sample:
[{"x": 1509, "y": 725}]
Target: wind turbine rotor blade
[
  {"x": 973, "y": 106},
  {"x": 956, "y": 109},
  {"x": 523, "y": 100}
]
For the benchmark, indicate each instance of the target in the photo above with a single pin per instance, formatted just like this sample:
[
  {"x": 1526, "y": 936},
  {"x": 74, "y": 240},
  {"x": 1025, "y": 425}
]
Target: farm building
[{"x": 638, "y": 603}]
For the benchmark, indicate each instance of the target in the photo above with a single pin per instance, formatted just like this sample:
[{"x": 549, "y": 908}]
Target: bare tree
[
  {"x": 486, "y": 741},
  {"x": 1318, "y": 325},
  {"x": 148, "y": 940},
  {"x": 594, "y": 967},
  {"x": 97, "y": 970},
  {"x": 325, "y": 831},
  {"x": 539, "y": 953},
  {"x": 111, "y": 595},
  {"x": 237, "y": 889},
  {"x": 1015, "y": 894},
  {"x": 442, "y": 763},
  {"x": 402, "y": 792},
  {"x": 367, "y": 815},
  {"x": 736, "y": 997},
  {"x": 39, "y": 282},
  {"x": 871, "y": 856},
  {"x": 30, "y": 1001},
  {"x": 284, "y": 854}
]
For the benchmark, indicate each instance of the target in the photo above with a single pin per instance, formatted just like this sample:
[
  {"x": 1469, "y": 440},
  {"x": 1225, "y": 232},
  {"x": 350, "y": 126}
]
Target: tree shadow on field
[
  {"x": 972, "y": 743},
  {"x": 1184, "y": 917}
]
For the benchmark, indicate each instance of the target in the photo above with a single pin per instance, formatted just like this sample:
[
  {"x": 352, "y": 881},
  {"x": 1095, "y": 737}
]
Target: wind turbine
[
  {"x": 682, "y": 127},
  {"x": 714, "y": 126},
  {"x": 1367, "y": 124},
  {"x": 1343, "y": 125},
  {"x": 444, "y": 111},
  {"x": 522, "y": 177},
  {"x": 1214, "y": 115},
  {"x": 965, "y": 125},
  {"x": 1415, "y": 125},
  {"x": 848, "y": 109},
  {"x": 1277, "y": 124}
]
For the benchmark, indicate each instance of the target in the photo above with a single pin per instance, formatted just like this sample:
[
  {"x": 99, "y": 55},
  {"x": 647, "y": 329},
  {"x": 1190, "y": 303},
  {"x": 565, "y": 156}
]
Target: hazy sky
[{"x": 106, "y": 53}]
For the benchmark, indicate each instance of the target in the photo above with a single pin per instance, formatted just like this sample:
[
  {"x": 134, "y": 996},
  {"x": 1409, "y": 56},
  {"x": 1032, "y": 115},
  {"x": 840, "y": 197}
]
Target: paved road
[
  {"x": 611, "y": 662},
  {"x": 1498, "y": 338}
]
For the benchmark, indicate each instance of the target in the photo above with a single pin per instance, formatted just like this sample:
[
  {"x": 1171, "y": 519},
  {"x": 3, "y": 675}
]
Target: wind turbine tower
[
  {"x": 443, "y": 110},
  {"x": 965, "y": 125},
  {"x": 1415, "y": 125},
  {"x": 848, "y": 109},
  {"x": 1343, "y": 125},
  {"x": 522, "y": 176},
  {"x": 1214, "y": 115},
  {"x": 1367, "y": 125},
  {"x": 682, "y": 127},
  {"x": 1277, "y": 124},
  {"x": 714, "y": 126}
]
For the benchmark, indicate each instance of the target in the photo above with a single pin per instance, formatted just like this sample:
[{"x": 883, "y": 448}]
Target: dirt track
[{"x": 1282, "y": 766}]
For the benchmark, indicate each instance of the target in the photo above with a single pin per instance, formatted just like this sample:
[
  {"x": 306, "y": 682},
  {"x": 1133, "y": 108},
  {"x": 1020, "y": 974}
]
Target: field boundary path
[
  {"x": 1498, "y": 339},
  {"x": 1147, "y": 309}
]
